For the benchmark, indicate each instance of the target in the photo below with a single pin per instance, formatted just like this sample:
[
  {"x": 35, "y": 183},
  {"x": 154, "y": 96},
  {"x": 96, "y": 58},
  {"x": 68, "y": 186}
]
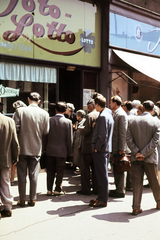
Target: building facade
[
  {"x": 52, "y": 47},
  {"x": 68, "y": 49},
  {"x": 134, "y": 49}
]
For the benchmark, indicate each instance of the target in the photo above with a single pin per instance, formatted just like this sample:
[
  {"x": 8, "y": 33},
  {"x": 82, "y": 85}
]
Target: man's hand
[
  {"x": 121, "y": 152},
  {"x": 139, "y": 157}
]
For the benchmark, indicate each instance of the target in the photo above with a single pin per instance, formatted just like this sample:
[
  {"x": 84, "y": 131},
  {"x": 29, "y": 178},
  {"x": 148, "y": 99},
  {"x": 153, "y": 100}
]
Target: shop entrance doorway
[{"x": 70, "y": 87}]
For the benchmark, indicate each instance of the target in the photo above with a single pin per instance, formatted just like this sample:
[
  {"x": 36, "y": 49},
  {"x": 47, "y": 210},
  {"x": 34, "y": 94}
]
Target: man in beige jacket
[
  {"x": 32, "y": 123},
  {"x": 9, "y": 150}
]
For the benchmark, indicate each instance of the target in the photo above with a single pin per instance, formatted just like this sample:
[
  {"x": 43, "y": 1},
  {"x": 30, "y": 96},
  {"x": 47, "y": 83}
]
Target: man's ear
[{"x": 143, "y": 109}]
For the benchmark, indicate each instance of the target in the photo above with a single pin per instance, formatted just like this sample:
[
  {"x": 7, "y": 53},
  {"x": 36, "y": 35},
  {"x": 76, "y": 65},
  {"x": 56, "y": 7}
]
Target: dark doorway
[{"x": 70, "y": 87}]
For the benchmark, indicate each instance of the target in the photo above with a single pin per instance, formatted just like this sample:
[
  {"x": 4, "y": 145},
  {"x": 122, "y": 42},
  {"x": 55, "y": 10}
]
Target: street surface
[{"x": 69, "y": 217}]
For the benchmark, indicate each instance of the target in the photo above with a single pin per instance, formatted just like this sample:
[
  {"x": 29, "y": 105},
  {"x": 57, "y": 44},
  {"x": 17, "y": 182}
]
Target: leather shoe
[
  {"x": 115, "y": 194},
  {"x": 158, "y": 206},
  {"x": 6, "y": 213},
  {"x": 92, "y": 202},
  {"x": 49, "y": 193},
  {"x": 31, "y": 203},
  {"x": 100, "y": 204},
  {"x": 84, "y": 193},
  {"x": 21, "y": 203},
  {"x": 136, "y": 211},
  {"x": 129, "y": 189},
  {"x": 56, "y": 193}
]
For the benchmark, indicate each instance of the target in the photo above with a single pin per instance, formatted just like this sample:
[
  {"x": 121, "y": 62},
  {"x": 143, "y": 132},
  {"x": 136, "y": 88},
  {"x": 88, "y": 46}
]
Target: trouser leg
[
  {"x": 33, "y": 167},
  {"x": 137, "y": 173},
  {"x": 94, "y": 178},
  {"x": 151, "y": 172},
  {"x": 51, "y": 170},
  {"x": 101, "y": 168},
  {"x": 22, "y": 173},
  {"x": 60, "y": 167},
  {"x": 158, "y": 174},
  {"x": 85, "y": 173},
  {"x": 119, "y": 182},
  {"x": 5, "y": 190},
  {"x": 128, "y": 180}
]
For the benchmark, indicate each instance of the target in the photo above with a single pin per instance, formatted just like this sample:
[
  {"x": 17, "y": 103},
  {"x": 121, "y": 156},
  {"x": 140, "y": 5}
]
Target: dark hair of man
[
  {"x": 149, "y": 105},
  {"x": 61, "y": 107},
  {"x": 34, "y": 96},
  {"x": 158, "y": 104},
  {"x": 128, "y": 105},
  {"x": 91, "y": 102},
  {"x": 101, "y": 101},
  {"x": 117, "y": 99},
  {"x": 81, "y": 113}
]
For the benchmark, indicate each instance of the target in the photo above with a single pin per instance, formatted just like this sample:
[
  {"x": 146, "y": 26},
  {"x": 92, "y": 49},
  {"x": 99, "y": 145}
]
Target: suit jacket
[
  {"x": 60, "y": 137},
  {"x": 32, "y": 123},
  {"x": 120, "y": 131},
  {"x": 87, "y": 132},
  {"x": 9, "y": 146},
  {"x": 143, "y": 135},
  {"x": 102, "y": 135}
]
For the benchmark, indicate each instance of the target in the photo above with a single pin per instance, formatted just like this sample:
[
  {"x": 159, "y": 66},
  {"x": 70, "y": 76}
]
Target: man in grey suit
[
  {"x": 59, "y": 145},
  {"x": 119, "y": 145},
  {"x": 143, "y": 136},
  {"x": 32, "y": 124},
  {"x": 9, "y": 150},
  {"x": 102, "y": 147}
]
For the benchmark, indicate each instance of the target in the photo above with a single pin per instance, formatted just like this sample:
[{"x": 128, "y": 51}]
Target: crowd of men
[{"x": 104, "y": 134}]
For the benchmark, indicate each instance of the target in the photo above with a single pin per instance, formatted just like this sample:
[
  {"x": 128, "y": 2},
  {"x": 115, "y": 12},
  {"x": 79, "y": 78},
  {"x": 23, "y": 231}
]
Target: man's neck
[
  {"x": 59, "y": 113},
  {"x": 32, "y": 102}
]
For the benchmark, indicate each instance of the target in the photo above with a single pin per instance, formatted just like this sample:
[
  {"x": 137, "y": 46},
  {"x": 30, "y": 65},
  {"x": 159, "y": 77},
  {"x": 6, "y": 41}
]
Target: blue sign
[{"x": 134, "y": 35}]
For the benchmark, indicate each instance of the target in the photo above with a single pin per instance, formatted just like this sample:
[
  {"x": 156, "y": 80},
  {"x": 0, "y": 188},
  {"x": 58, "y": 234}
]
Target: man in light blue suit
[{"x": 102, "y": 147}]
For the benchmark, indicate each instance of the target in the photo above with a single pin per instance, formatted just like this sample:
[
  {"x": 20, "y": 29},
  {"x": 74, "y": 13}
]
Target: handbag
[
  {"x": 121, "y": 163},
  {"x": 43, "y": 160}
]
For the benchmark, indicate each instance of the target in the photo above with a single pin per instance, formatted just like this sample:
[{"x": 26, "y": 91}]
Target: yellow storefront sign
[{"x": 65, "y": 31}]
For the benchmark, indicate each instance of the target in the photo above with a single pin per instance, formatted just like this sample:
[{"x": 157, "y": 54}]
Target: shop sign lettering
[
  {"x": 87, "y": 41},
  {"x": 55, "y": 31},
  {"x": 156, "y": 45},
  {"x": 8, "y": 92}
]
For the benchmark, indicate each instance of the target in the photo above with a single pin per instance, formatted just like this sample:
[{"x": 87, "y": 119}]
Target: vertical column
[
  {"x": 46, "y": 96},
  {"x": 104, "y": 78}
]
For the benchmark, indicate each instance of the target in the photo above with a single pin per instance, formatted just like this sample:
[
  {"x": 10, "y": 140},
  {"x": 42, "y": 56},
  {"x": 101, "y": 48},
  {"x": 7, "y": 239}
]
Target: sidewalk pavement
[{"x": 69, "y": 217}]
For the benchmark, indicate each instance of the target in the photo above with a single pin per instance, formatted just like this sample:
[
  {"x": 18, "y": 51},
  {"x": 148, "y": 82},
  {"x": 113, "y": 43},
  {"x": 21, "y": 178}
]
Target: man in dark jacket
[
  {"x": 59, "y": 145},
  {"x": 102, "y": 147},
  {"x": 87, "y": 160}
]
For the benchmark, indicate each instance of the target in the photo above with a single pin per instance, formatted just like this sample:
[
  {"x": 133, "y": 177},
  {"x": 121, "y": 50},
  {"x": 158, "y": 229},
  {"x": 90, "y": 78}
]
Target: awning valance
[
  {"x": 149, "y": 66},
  {"x": 28, "y": 73}
]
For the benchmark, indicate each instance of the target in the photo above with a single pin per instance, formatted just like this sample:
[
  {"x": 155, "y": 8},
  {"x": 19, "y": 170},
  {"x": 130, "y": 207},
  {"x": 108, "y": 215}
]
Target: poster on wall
[
  {"x": 119, "y": 85},
  {"x": 55, "y": 30}
]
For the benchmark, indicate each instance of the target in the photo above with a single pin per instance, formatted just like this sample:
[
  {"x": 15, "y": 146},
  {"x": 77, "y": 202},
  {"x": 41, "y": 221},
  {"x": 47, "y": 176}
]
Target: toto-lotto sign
[{"x": 54, "y": 30}]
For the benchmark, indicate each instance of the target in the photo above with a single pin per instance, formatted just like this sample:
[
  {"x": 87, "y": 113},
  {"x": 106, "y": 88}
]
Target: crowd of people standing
[{"x": 90, "y": 141}]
